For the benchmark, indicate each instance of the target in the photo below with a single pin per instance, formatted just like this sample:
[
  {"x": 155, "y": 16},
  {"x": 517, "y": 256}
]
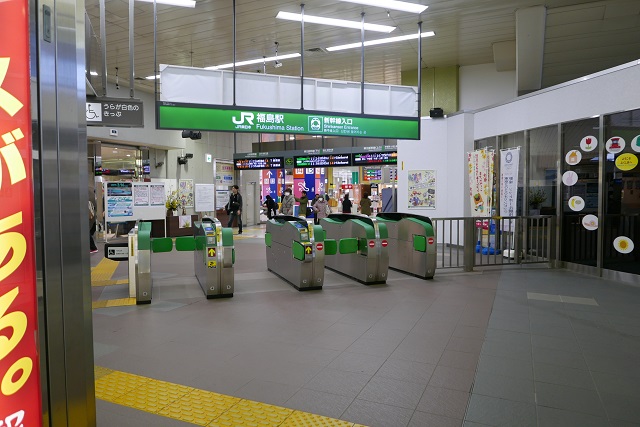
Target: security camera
[
  {"x": 188, "y": 156},
  {"x": 159, "y": 164},
  {"x": 277, "y": 64}
]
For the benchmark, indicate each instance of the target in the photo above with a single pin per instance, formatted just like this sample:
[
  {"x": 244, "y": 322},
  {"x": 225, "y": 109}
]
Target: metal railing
[{"x": 468, "y": 242}]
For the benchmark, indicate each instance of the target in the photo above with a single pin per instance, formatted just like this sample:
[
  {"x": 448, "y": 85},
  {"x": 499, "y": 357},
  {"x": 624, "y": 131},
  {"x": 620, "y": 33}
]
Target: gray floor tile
[
  {"x": 463, "y": 331},
  {"x": 617, "y": 384},
  {"x": 373, "y": 347},
  {"x": 514, "y": 368},
  {"x": 109, "y": 414},
  {"x": 444, "y": 402},
  {"x": 456, "y": 379},
  {"x": 554, "y": 343},
  {"x": 569, "y": 398},
  {"x": 347, "y": 384},
  {"x": 422, "y": 419},
  {"x": 562, "y": 375},
  {"x": 406, "y": 370},
  {"x": 357, "y": 362},
  {"x": 552, "y": 417},
  {"x": 512, "y": 325},
  {"x": 467, "y": 345},
  {"x": 377, "y": 415},
  {"x": 490, "y": 384},
  {"x": 516, "y": 339},
  {"x": 499, "y": 412},
  {"x": 318, "y": 402},
  {"x": 458, "y": 359},
  {"x": 392, "y": 392},
  {"x": 267, "y": 392},
  {"x": 559, "y": 357},
  {"x": 507, "y": 350}
]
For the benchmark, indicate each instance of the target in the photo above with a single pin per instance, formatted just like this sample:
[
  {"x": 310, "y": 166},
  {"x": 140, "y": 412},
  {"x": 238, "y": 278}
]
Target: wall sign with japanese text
[
  {"x": 114, "y": 112},
  {"x": 20, "y": 395}
]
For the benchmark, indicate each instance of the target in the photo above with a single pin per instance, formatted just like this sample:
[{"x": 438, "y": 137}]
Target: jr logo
[{"x": 243, "y": 116}]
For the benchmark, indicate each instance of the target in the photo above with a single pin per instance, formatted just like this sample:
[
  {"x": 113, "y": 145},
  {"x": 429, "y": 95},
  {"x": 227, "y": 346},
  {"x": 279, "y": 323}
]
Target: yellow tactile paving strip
[
  {"x": 119, "y": 302},
  {"x": 110, "y": 282},
  {"x": 199, "y": 407},
  {"x": 103, "y": 271}
]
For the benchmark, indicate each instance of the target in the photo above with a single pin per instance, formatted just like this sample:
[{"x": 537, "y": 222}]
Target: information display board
[
  {"x": 259, "y": 163},
  {"x": 379, "y": 158},
  {"x": 232, "y": 119},
  {"x": 327, "y": 160}
]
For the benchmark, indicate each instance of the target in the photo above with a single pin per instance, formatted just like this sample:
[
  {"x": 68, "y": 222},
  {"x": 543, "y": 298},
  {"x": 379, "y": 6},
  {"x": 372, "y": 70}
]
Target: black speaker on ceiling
[
  {"x": 191, "y": 134},
  {"x": 436, "y": 113}
]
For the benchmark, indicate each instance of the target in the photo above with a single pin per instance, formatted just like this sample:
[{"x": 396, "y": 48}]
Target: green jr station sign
[{"x": 234, "y": 119}]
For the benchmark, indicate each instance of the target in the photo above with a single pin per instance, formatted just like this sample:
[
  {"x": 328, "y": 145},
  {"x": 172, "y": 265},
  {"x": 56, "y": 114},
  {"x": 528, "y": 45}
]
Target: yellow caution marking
[
  {"x": 120, "y": 302},
  {"x": 199, "y": 407},
  {"x": 305, "y": 419},
  {"x": 110, "y": 282},
  {"x": 103, "y": 271}
]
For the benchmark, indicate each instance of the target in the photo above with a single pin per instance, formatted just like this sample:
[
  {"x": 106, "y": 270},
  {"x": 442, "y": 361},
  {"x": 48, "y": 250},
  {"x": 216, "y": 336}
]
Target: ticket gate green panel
[
  {"x": 419, "y": 243},
  {"x": 330, "y": 247},
  {"x": 295, "y": 251},
  {"x": 185, "y": 244},
  {"x": 384, "y": 232},
  {"x": 227, "y": 237},
  {"x": 370, "y": 232},
  {"x": 348, "y": 246},
  {"x": 162, "y": 244},
  {"x": 144, "y": 239}
]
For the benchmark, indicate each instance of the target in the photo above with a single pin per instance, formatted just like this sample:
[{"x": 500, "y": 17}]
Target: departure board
[
  {"x": 323, "y": 160},
  {"x": 379, "y": 158},
  {"x": 259, "y": 163}
]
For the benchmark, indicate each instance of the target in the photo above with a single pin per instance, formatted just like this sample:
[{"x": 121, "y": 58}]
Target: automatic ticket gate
[
  {"x": 295, "y": 251},
  {"x": 412, "y": 243},
  {"x": 362, "y": 247},
  {"x": 213, "y": 258}
]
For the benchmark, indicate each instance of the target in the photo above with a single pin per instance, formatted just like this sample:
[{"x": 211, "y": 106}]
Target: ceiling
[{"x": 582, "y": 37}]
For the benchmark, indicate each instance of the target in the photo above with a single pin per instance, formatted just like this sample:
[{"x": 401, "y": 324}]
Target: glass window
[
  {"x": 621, "y": 243},
  {"x": 543, "y": 169},
  {"x": 580, "y": 165}
]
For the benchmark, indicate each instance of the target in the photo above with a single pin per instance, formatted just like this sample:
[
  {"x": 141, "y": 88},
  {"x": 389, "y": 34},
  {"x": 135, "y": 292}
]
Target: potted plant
[
  {"x": 173, "y": 203},
  {"x": 537, "y": 197}
]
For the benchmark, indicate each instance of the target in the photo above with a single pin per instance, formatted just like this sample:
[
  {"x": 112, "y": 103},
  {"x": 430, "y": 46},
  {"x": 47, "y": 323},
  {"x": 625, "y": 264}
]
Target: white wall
[
  {"x": 613, "y": 90},
  {"x": 482, "y": 86}
]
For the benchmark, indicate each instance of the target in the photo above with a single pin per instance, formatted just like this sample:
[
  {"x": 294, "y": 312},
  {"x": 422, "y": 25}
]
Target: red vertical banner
[{"x": 19, "y": 374}]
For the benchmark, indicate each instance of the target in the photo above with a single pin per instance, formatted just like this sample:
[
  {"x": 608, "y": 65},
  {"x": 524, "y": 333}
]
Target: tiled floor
[{"x": 468, "y": 349}]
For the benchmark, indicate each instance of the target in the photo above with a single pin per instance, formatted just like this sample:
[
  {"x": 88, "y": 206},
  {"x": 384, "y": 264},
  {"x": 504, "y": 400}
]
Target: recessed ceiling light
[
  {"x": 381, "y": 41},
  {"x": 181, "y": 3},
  {"x": 393, "y": 4},
  {"x": 254, "y": 61},
  {"x": 335, "y": 22},
  {"x": 93, "y": 73},
  {"x": 128, "y": 155},
  {"x": 153, "y": 77}
]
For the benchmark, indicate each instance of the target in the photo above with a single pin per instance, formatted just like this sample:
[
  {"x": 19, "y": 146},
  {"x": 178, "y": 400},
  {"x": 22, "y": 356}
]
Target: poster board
[
  {"x": 185, "y": 192},
  {"x": 131, "y": 201},
  {"x": 422, "y": 189},
  {"x": 205, "y": 194},
  {"x": 222, "y": 198}
]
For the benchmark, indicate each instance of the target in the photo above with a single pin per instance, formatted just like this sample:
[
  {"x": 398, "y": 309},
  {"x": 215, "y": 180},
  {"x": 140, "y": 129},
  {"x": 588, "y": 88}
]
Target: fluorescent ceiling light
[
  {"x": 255, "y": 61},
  {"x": 93, "y": 73},
  {"x": 335, "y": 22},
  {"x": 153, "y": 77},
  {"x": 393, "y": 4},
  {"x": 380, "y": 41},
  {"x": 181, "y": 3}
]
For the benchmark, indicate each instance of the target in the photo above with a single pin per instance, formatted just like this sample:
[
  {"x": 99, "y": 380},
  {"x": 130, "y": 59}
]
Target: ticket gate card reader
[
  {"x": 412, "y": 244},
  {"x": 362, "y": 249},
  {"x": 213, "y": 258},
  {"x": 295, "y": 251}
]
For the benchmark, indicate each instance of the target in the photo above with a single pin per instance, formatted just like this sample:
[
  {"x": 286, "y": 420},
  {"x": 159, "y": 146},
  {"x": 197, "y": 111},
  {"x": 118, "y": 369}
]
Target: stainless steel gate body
[{"x": 213, "y": 259}]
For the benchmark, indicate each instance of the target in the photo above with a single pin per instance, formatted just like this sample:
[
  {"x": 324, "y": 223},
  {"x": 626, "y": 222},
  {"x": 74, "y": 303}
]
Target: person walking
[
  {"x": 92, "y": 222},
  {"x": 365, "y": 205},
  {"x": 234, "y": 208},
  {"x": 320, "y": 208},
  {"x": 346, "y": 204},
  {"x": 286, "y": 207},
  {"x": 271, "y": 206},
  {"x": 304, "y": 202}
]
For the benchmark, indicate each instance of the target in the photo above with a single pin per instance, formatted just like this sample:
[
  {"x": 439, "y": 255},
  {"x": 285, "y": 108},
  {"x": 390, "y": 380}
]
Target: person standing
[
  {"x": 304, "y": 202},
  {"x": 320, "y": 207},
  {"x": 271, "y": 206},
  {"x": 234, "y": 208},
  {"x": 92, "y": 222},
  {"x": 365, "y": 205},
  {"x": 287, "y": 203},
  {"x": 346, "y": 204}
]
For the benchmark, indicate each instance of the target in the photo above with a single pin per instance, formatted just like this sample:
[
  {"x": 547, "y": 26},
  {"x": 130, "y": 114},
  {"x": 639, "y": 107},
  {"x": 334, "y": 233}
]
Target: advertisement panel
[
  {"x": 230, "y": 119},
  {"x": 19, "y": 373}
]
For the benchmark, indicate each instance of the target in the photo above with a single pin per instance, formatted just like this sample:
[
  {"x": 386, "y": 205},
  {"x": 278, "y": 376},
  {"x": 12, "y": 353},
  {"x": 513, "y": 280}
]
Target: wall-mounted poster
[
  {"x": 119, "y": 199},
  {"x": 185, "y": 192},
  {"x": 422, "y": 189},
  {"x": 481, "y": 163},
  {"x": 222, "y": 198},
  {"x": 141, "y": 194},
  {"x": 157, "y": 194}
]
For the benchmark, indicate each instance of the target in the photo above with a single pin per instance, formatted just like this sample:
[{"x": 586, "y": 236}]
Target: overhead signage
[
  {"x": 19, "y": 365},
  {"x": 323, "y": 160},
  {"x": 114, "y": 112},
  {"x": 368, "y": 159},
  {"x": 233, "y": 119},
  {"x": 259, "y": 163}
]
